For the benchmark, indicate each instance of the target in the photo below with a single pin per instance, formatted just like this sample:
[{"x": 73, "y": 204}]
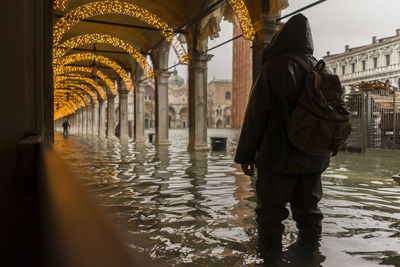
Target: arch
[
  {"x": 66, "y": 90},
  {"x": 100, "y": 74},
  {"x": 62, "y": 97},
  {"x": 219, "y": 124},
  {"x": 101, "y": 59},
  {"x": 116, "y": 7},
  {"x": 238, "y": 6},
  {"x": 241, "y": 11},
  {"x": 97, "y": 38},
  {"x": 87, "y": 80},
  {"x": 228, "y": 95},
  {"x": 82, "y": 87}
]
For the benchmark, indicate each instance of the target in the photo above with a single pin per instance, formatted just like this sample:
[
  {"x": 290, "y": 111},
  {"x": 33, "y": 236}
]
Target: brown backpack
[{"x": 320, "y": 122}]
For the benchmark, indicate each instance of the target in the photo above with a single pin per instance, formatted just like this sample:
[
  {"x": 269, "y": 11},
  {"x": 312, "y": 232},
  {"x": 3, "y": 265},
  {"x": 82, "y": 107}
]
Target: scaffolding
[{"x": 375, "y": 116}]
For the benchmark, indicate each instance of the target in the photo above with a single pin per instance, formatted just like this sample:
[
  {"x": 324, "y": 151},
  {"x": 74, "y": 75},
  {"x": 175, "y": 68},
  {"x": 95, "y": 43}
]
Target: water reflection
[{"x": 197, "y": 209}]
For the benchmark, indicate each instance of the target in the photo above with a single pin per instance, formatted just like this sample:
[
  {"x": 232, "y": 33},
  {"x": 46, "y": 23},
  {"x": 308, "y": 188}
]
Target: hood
[{"x": 294, "y": 37}]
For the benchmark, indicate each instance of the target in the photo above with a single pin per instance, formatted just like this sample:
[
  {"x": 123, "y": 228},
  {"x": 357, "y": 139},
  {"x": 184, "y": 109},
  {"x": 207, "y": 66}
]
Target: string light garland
[
  {"x": 64, "y": 91},
  {"x": 62, "y": 97},
  {"x": 60, "y": 70},
  {"x": 239, "y": 7},
  {"x": 87, "y": 80},
  {"x": 116, "y": 7},
  {"x": 60, "y": 4},
  {"x": 100, "y": 59},
  {"x": 82, "y": 87},
  {"x": 97, "y": 38}
]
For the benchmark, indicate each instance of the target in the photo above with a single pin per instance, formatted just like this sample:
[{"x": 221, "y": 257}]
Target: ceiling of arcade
[{"x": 123, "y": 33}]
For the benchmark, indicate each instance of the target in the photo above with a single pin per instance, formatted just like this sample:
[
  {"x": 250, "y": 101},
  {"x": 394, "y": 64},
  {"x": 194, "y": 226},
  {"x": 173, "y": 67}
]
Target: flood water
[{"x": 197, "y": 209}]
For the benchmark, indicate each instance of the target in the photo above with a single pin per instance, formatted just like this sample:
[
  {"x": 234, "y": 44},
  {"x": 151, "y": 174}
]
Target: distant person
[
  {"x": 65, "y": 126},
  {"x": 287, "y": 173}
]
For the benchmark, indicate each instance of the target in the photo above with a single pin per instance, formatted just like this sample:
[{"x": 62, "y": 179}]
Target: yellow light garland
[
  {"x": 100, "y": 59},
  {"x": 62, "y": 92},
  {"x": 60, "y": 70},
  {"x": 97, "y": 38},
  {"x": 82, "y": 87},
  {"x": 88, "y": 80},
  {"x": 109, "y": 7},
  {"x": 60, "y": 4},
  {"x": 239, "y": 7}
]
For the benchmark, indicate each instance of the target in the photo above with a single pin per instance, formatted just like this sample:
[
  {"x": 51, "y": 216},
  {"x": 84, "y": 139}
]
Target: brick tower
[{"x": 241, "y": 76}]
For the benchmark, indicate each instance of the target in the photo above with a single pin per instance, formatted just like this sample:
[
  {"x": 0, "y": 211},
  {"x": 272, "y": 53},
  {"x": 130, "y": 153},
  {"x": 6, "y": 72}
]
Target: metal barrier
[{"x": 375, "y": 119}]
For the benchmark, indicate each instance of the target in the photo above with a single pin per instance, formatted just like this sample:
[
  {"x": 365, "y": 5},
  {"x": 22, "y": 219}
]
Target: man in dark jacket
[
  {"x": 65, "y": 126},
  {"x": 285, "y": 174}
]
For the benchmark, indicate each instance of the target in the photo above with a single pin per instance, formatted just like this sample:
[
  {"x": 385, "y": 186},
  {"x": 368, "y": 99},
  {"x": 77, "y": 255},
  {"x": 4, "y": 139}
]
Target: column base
[
  {"x": 103, "y": 136},
  {"x": 140, "y": 140},
  {"x": 198, "y": 147},
  {"x": 162, "y": 142},
  {"x": 124, "y": 138}
]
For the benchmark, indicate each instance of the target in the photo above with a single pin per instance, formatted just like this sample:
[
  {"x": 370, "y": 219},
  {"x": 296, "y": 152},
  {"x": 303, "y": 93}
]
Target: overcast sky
[{"x": 334, "y": 24}]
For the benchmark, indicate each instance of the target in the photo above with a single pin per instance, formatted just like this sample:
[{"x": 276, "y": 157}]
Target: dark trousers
[{"x": 274, "y": 191}]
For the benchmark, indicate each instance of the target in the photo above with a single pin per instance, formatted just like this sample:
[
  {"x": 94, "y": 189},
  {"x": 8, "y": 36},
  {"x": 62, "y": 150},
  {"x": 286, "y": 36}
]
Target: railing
[
  {"x": 59, "y": 223},
  {"x": 369, "y": 72}
]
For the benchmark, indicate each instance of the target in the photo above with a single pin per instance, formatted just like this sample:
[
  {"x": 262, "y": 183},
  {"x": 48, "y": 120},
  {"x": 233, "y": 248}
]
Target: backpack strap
[{"x": 304, "y": 64}]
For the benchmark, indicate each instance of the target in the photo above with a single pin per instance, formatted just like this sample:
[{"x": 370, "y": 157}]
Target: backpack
[{"x": 320, "y": 121}]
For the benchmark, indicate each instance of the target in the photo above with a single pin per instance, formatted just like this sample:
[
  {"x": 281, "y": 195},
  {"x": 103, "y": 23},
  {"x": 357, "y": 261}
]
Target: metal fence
[{"x": 372, "y": 118}]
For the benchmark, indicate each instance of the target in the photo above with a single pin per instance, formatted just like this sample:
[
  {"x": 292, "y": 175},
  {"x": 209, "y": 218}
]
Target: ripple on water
[{"x": 197, "y": 209}]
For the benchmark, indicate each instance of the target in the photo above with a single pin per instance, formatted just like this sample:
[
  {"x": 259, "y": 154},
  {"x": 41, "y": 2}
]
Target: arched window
[
  {"x": 228, "y": 119},
  {"x": 228, "y": 95}
]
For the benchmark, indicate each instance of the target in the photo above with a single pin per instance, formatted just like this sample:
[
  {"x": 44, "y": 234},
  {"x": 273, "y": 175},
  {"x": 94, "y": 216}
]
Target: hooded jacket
[{"x": 273, "y": 96}]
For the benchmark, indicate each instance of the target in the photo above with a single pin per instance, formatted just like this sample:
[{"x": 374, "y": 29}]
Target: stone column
[
  {"x": 95, "y": 119},
  {"x": 139, "y": 112},
  {"x": 85, "y": 121},
  {"x": 73, "y": 124},
  {"x": 160, "y": 61},
  {"x": 102, "y": 118},
  {"x": 265, "y": 27},
  {"x": 123, "y": 114},
  {"x": 78, "y": 121},
  {"x": 110, "y": 116},
  {"x": 90, "y": 119},
  {"x": 81, "y": 121},
  {"x": 198, "y": 100},
  {"x": 161, "y": 94}
]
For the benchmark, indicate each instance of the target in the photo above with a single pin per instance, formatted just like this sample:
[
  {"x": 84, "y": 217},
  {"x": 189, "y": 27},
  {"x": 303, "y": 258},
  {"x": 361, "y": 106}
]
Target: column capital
[
  {"x": 110, "y": 96},
  {"x": 163, "y": 73},
  {"x": 123, "y": 92},
  {"x": 206, "y": 57}
]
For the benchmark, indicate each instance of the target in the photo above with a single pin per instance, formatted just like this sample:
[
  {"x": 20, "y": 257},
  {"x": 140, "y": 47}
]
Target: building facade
[
  {"x": 242, "y": 76},
  {"x": 219, "y": 103},
  {"x": 379, "y": 60},
  {"x": 177, "y": 101}
]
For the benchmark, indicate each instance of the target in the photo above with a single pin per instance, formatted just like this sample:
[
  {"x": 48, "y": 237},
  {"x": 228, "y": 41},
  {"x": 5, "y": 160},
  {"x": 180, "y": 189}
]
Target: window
[
  {"x": 363, "y": 63},
  {"x": 375, "y": 60},
  {"x": 343, "y": 70},
  {"x": 334, "y": 70},
  {"x": 228, "y": 95},
  {"x": 353, "y": 67},
  {"x": 228, "y": 119},
  {"x": 387, "y": 57}
]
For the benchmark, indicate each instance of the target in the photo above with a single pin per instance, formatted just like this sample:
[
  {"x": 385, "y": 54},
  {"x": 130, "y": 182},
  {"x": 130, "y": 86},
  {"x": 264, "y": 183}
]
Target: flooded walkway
[{"x": 197, "y": 209}]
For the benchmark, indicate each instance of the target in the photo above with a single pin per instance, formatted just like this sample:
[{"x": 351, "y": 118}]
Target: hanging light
[{"x": 94, "y": 66}]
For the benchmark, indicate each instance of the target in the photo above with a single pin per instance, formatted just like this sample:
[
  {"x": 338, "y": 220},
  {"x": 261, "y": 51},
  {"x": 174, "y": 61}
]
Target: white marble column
[
  {"x": 102, "y": 118},
  {"x": 198, "y": 100},
  {"x": 89, "y": 110},
  {"x": 123, "y": 114},
  {"x": 95, "y": 119},
  {"x": 160, "y": 61},
  {"x": 139, "y": 112},
  {"x": 110, "y": 116}
]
